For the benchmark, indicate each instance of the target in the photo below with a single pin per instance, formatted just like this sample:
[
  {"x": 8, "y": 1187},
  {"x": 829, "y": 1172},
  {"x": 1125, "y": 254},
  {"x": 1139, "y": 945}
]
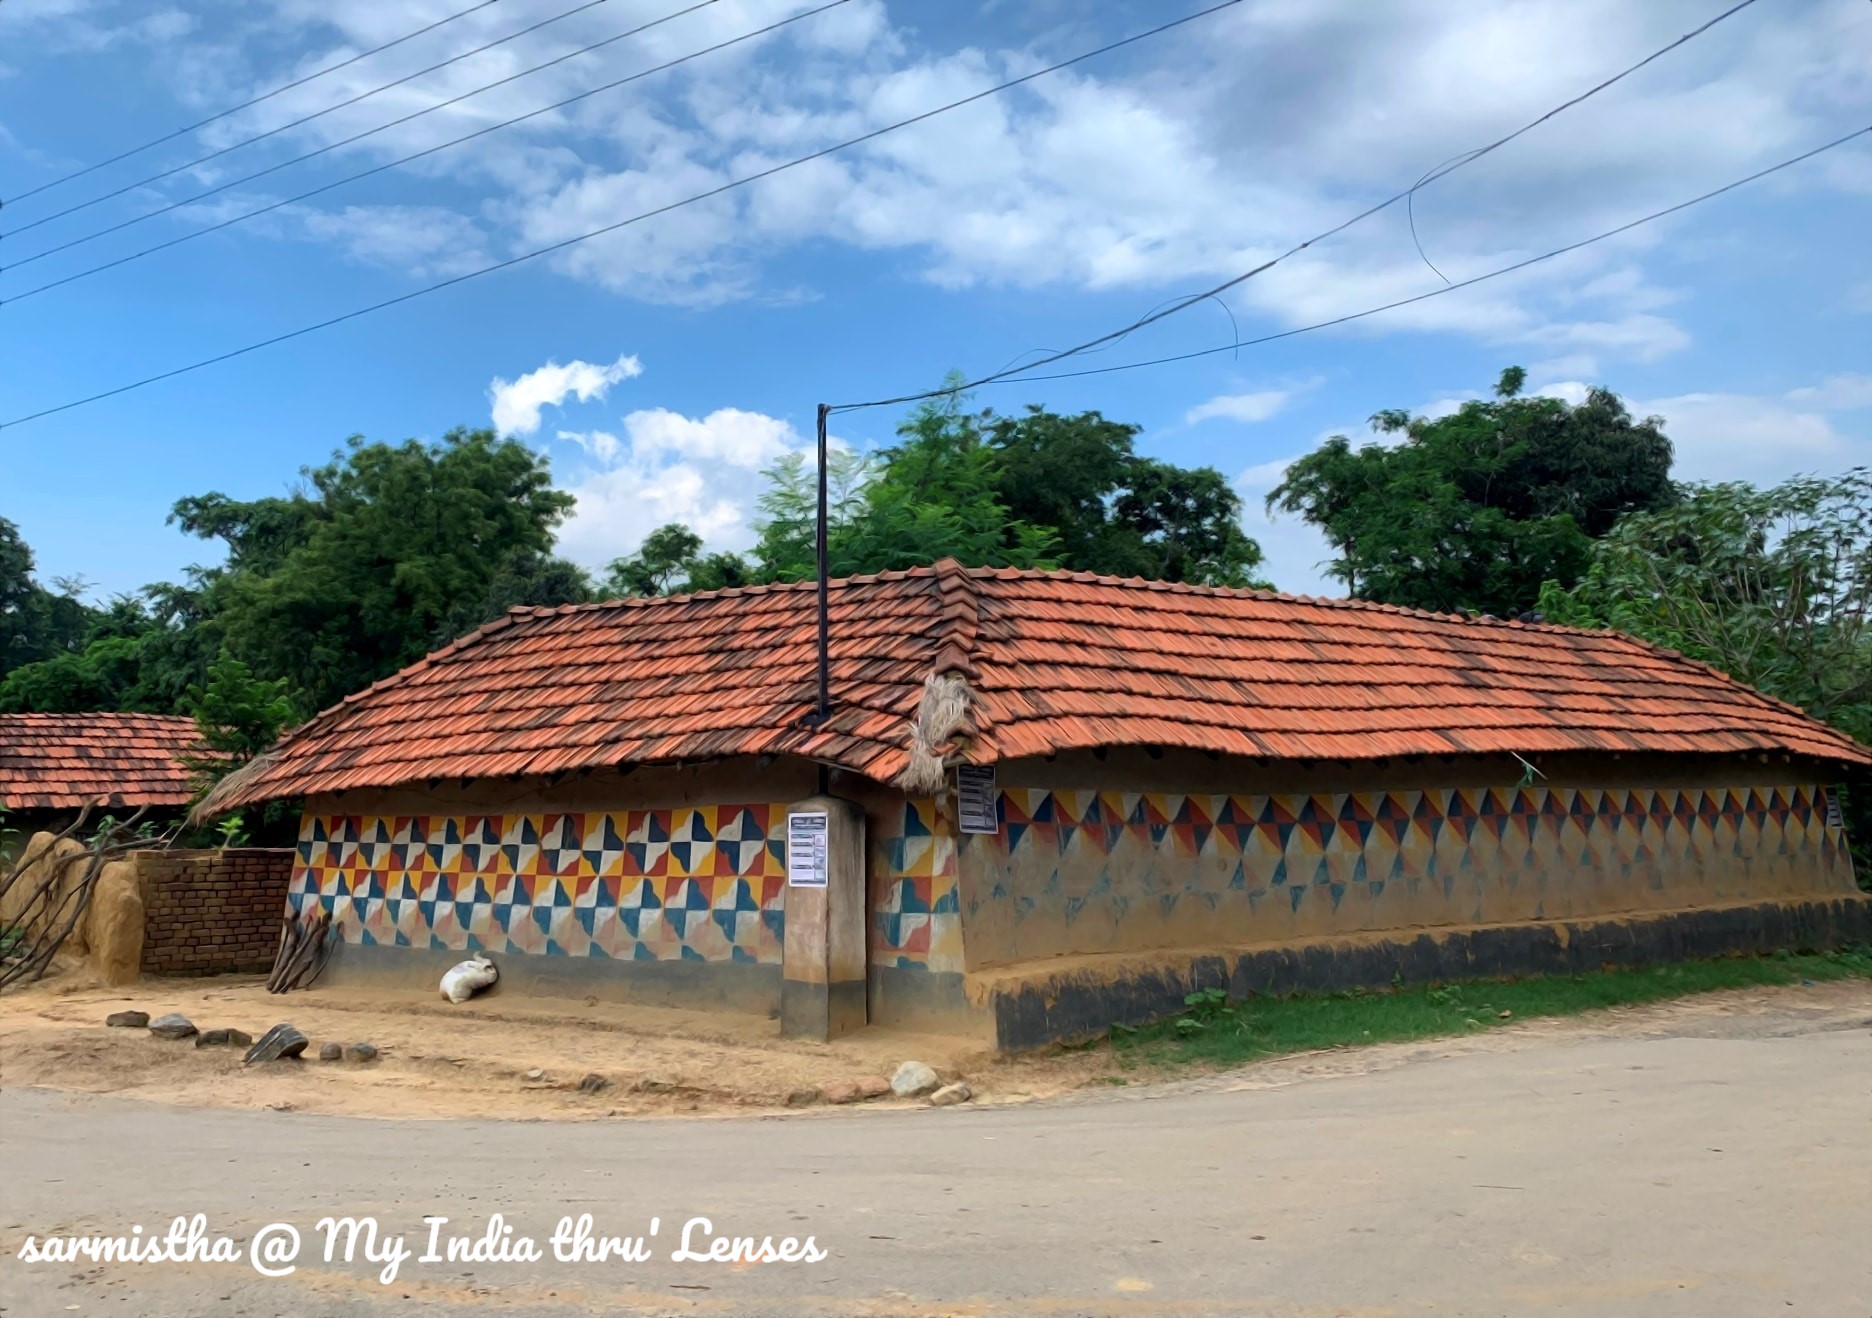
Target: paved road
[{"x": 1687, "y": 1176}]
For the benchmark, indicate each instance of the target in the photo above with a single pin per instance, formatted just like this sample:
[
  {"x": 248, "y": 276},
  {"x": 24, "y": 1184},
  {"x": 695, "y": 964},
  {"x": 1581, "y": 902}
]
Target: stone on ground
[
  {"x": 537, "y": 1073},
  {"x": 592, "y": 1083},
  {"x": 657, "y": 1084},
  {"x": 128, "y": 1020},
  {"x": 950, "y": 1095},
  {"x": 839, "y": 1091},
  {"x": 913, "y": 1078},
  {"x": 330, "y": 1052},
  {"x": 282, "y": 1041},
  {"x": 872, "y": 1086},
  {"x": 212, "y": 1039},
  {"x": 173, "y": 1026},
  {"x": 802, "y": 1098},
  {"x": 360, "y": 1052}
]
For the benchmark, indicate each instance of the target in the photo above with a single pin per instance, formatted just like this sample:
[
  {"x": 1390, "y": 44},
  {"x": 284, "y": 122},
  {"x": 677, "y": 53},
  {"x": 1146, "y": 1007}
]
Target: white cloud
[
  {"x": 1248, "y": 408},
  {"x": 667, "y": 467},
  {"x": 517, "y": 403},
  {"x": 1841, "y": 393},
  {"x": 1233, "y": 139},
  {"x": 1763, "y": 439},
  {"x": 748, "y": 440}
]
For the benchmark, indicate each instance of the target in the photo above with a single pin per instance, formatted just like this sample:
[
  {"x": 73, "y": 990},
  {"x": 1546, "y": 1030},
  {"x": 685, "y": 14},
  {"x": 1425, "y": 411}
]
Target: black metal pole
[{"x": 825, "y": 610}]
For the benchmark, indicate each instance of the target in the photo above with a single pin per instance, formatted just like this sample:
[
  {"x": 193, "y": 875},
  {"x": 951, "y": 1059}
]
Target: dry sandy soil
[{"x": 441, "y": 1060}]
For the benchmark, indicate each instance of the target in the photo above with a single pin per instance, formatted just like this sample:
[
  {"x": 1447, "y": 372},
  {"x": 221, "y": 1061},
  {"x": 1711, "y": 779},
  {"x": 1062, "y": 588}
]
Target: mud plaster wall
[
  {"x": 668, "y": 865},
  {"x": 1132, "y": 853},
  {"x": 212, "y": 912},
  {"x": 655, "y": 864}
]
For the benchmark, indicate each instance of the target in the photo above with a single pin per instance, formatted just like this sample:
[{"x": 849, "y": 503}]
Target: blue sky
[{"x": 662, "y": 366}]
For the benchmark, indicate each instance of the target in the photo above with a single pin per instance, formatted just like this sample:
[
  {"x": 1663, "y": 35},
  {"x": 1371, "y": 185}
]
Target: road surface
[{"x": 1676, "y": 1176}]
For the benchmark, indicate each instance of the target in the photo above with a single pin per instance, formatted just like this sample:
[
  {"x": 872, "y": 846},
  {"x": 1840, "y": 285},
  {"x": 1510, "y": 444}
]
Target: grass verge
[{"x": 1216, "y": 1032}]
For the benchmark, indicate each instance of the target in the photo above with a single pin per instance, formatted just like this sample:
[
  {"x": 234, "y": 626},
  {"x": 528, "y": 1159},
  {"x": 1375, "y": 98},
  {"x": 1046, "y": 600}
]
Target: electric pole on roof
[{"x": 825, "y": 611}]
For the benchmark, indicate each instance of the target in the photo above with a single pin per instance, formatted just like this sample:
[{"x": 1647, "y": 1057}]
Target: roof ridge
[
  {"x": 1279, "y": 596},
  {"x": 958, "y": 618}
]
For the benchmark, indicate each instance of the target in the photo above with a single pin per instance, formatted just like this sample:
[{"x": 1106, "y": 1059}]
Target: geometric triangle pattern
[
  {"x": 1085, "y": 871},
  {"x": 690, "y": 883},
  {"x": 916, "y": 915}
]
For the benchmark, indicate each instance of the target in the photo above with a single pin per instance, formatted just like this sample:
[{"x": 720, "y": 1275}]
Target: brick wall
[{"x": 212, "y": 912}]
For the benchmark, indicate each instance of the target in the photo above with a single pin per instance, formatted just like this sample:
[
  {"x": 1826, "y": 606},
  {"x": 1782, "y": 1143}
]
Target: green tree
[
  {"x": 661, "y": 562},
  {"x": 1113, "y": 511},
  {"x": 527, "y": 577},
  {"x": 1476, "y": 510},
  {"x": 1036, "y": 490},
  {"x": 355, "y": 575},
  {"x": 35, "y": 623},
  {"x": 1772, "y": 586}
]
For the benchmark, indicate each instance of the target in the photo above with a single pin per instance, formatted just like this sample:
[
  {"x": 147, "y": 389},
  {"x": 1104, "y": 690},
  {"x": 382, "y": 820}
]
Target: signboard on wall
[
  {"x": 975, "y": 792},
  {"x": 807, "y": 864}
]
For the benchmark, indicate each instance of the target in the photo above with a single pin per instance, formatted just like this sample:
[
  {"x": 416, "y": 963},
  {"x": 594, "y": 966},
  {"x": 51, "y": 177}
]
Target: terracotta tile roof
[
  {"x": 61, "y": 761},
  {"x": 1057, "y": 661}
]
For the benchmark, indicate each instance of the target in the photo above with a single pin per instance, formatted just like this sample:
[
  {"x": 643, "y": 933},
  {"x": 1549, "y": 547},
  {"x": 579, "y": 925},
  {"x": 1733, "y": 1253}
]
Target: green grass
[{"x": 1217, "y": 1032}]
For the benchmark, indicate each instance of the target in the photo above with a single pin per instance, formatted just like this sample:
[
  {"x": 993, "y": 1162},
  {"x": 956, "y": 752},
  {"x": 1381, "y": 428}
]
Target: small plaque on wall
[
  {"x": 975, "y": 790},
  {"x": 1835, "y": 817},
  {"x": 806, "y": 849}
]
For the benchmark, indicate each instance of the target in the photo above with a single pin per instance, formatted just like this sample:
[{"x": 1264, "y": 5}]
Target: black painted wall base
[{"x": 1050, "y": 1008}]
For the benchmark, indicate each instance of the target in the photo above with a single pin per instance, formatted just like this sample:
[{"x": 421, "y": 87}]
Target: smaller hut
[{"x": 54, "y": 765}]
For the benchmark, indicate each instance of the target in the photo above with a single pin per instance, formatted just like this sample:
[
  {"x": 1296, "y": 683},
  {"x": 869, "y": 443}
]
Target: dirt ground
[{"x": 478, "y": 1059}]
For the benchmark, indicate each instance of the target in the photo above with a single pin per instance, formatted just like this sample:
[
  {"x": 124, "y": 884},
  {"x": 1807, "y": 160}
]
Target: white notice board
[
  {"x": 807, "y": 835},
  {"x": 975, "y": 788}
]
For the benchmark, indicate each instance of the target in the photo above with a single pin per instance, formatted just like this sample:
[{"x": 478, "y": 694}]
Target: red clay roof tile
[
  {"x": 65, "y": 761},
  {"x": 1057, "y": 661}
]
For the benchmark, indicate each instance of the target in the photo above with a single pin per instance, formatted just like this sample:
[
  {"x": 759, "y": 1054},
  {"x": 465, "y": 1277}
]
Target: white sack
[{"x": 468, "y": 978}]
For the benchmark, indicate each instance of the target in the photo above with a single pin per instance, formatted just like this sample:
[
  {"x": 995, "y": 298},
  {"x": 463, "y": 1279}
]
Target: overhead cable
[
  {"x": 186, "y": 129},
  {"x": 1497, "y": 273},
  {"x": 730, "y": 186},
  {"x": 399, "y": 162},
  {"x": 1184, "y": 303},
  {"x": 308, "y": 118}
]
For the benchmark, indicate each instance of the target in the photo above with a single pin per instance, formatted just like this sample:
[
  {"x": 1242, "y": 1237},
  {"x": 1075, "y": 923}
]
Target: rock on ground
[
  {"x": 128, "y": 1020},
  {"x": 223, "y": 1039},
  {"x": 330, "y": 1052},
  {"x": 173, "y": 1026},
  {"x": 282, "y": 1041},
  {"x": 592, "y": 1083},
  {"x": 872, "y": 1086},
  {"x": 913, "y": 1078},
  {"x": 950, "y": 1095},
  {"x": 839, "y": 1091},
  {"x": 360, "y": 1052}
]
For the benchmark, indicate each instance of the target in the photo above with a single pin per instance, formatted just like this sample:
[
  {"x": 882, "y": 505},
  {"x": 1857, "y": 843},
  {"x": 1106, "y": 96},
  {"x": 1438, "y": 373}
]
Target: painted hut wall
[
  {"x": 663, "y": 886},
  {"x": 602, "y": 884},
  {"x": 1133, "y": 854}
]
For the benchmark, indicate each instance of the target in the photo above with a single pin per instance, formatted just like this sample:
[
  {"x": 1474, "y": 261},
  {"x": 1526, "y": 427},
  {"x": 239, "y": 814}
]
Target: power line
[
  {"x": 305, "y": 119},
  {"x": 264, "y": 96},
  {"x": 1460, "y": 284},
  {"x": 1184, "y": 303},
  {"x": 372, "y": 132},
  {"x": 720, "y": 190}
]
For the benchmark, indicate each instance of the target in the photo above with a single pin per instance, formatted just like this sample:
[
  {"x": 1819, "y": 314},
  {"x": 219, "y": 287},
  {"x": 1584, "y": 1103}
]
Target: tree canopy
[
  {"x": 1772, "y": 586},
  {"x": 1474, "y": 511}
]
